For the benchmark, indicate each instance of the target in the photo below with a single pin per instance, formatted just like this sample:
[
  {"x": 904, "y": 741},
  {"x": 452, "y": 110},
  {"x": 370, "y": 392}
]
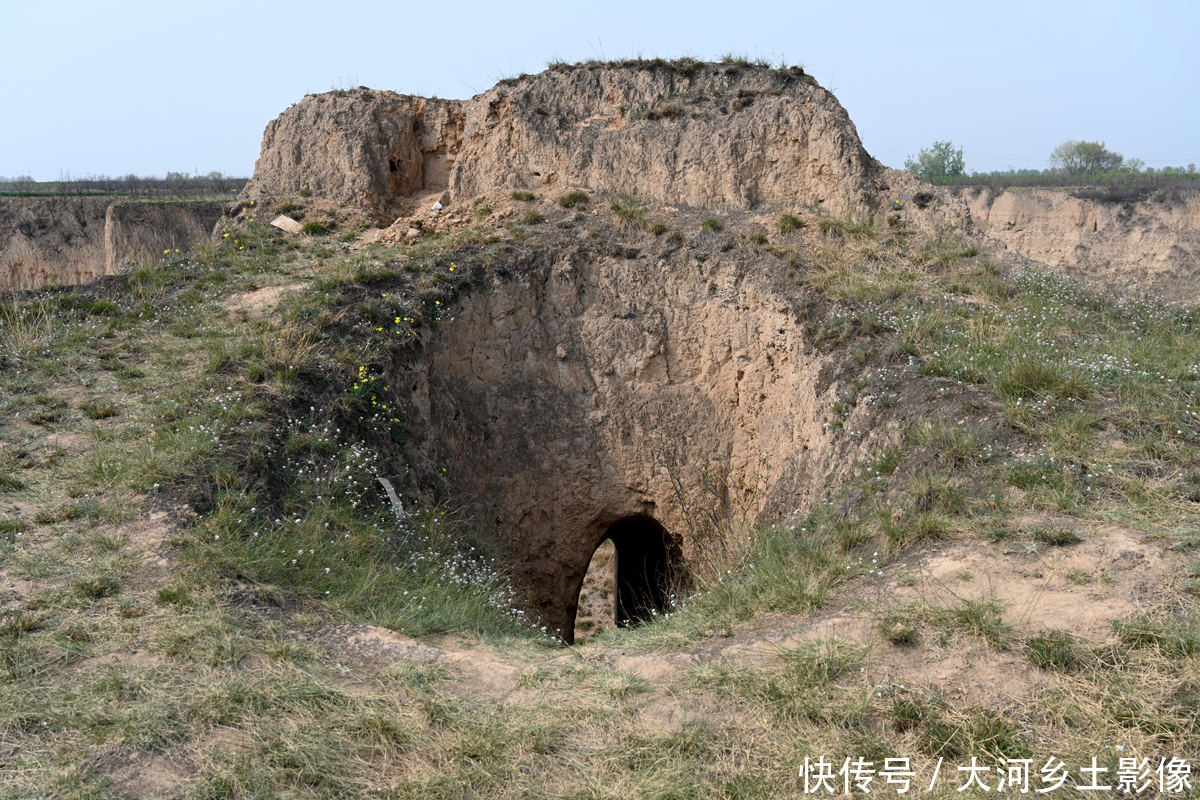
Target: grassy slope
[{"x": 254, "y": 446}]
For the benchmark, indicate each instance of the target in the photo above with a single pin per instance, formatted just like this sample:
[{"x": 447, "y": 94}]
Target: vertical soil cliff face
[
  {"x": 714, "y": 136},
  {"x": 559, "y": 388},
  {"x": 139, "y": 232},
  {"x": 359, "y": 147},
  {"x": 51, "y": 240},
  {"x": 66, "y": 240},
  {"x": 1154, "y": 241}
]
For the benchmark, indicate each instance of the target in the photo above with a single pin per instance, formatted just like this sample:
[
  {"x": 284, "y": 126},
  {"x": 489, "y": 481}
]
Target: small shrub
[
  {"x": 314, "y": 229},
  {"x": 659, "y": 228},
  {"x": 788, "y": 223},
  {"x": 574, "y": 198},
  {"x": 534, "y": 217},
  {"x": 670, "y": 111},
  {"x": 523, "y": 196},
  {"x": 713, "y": 224}
]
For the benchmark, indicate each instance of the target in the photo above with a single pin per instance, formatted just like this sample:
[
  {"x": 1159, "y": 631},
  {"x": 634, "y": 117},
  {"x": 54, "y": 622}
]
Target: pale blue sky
[{"x": 152, "y": 87}]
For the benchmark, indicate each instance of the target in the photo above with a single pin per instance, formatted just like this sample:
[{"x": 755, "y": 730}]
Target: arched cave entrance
[{"x": 646, "y": 566}]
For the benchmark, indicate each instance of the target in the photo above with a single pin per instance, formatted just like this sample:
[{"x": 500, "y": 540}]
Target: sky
[{"x": 90, "y": 88}]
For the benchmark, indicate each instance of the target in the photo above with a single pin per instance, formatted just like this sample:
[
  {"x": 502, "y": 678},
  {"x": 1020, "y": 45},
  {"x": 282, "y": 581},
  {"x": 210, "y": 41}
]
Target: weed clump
[
  {"x": 523, "y": 196},
  {"x": 573, "y": 198},
  {"x": 630, "y": 214},
  {"x": 1056, "y": 537},
  {"x": 790, "y": 222},
  {"x": 1054, "y": 650}
]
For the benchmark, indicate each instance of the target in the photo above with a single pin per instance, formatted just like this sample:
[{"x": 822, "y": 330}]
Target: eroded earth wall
[
  {"x": 1153, "y": 241},
  {"x": 51, "y": 240},
  {"x": 716, "y": 136},
  {"x": 67, "y": 240},
  {"x": 552, "y": 397},
  {"x": 137, "y": 232}
]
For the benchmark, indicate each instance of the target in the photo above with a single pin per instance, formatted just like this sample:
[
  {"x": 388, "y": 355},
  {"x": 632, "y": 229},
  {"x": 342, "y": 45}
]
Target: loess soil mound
[{"x": 719, "y": 136}]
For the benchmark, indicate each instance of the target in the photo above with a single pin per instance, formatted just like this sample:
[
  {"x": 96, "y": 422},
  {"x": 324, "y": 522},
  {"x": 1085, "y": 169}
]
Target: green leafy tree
[
  {"x": 1084, "y": 158},
  {"x": 939, "y": 161}
]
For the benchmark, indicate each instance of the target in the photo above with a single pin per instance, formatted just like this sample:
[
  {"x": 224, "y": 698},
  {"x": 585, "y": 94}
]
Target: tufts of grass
[
  {"x": 9, "y": 483},
  {"x": 630, "y": 213},
  {"x": 94, "y": 410},
  {"x": 573, "y": 198},
  {"x": 834, "y": 227},
  {"x": 790, "y": 222},
  {"x": 1055, "y": 650},
  {"x": 25, "y": 327},
  {"x": 1056, "y": 536},
  {"x": 534, "y": 217},
  {"x": 314, "y": 229},
  {"x": 712, "y": 224},
  {"x": 98, "y": 587},
  {"x": 980, "y": 616},
  {"x": 524, "y": 196},
  {"x": 899, "y": 630},
  {"x": 1037, "y": 379},
  {"x": 1174, "y": 638}
]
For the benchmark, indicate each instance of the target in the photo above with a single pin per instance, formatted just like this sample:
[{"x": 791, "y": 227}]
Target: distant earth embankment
[{"x": 67, "y": 240}]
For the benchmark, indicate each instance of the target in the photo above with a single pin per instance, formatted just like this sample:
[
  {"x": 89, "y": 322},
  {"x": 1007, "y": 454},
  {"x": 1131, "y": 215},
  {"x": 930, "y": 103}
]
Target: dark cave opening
[{"x": 649, "y": 565}]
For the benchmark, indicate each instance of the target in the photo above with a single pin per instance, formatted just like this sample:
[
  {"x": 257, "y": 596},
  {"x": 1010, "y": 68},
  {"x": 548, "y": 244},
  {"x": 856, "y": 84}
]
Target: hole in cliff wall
[{"x": 631, "y": 576}]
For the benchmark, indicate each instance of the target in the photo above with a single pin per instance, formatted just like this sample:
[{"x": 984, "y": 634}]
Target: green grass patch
[
  {"x": 789, "y": 222},
  {"x": 573, "y": 198}
]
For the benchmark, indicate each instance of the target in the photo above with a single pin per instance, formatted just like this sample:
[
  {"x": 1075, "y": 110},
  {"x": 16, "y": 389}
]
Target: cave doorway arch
[{"x": 648, "y": 567}]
